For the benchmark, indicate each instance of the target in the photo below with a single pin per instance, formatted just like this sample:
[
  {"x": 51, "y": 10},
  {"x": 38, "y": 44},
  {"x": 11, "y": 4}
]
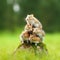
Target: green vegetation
[
  {"x": 47, "y": 11},
  {"x": 9, "y": 42}
]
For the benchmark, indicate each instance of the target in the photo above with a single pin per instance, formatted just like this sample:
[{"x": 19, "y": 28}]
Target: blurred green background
[
  {"x": 13, "y": 13},
  {"x": 12, "y": 22}
]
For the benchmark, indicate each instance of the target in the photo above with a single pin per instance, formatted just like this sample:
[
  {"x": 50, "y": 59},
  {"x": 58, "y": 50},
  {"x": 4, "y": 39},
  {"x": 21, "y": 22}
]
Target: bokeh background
[
  {"x": 12, "y": 22},
  {"x": 13, "y": 13}
]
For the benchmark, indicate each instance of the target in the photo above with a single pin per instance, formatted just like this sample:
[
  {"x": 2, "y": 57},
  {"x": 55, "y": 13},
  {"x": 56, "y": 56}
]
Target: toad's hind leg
[{"x": 19, "y": 46}]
